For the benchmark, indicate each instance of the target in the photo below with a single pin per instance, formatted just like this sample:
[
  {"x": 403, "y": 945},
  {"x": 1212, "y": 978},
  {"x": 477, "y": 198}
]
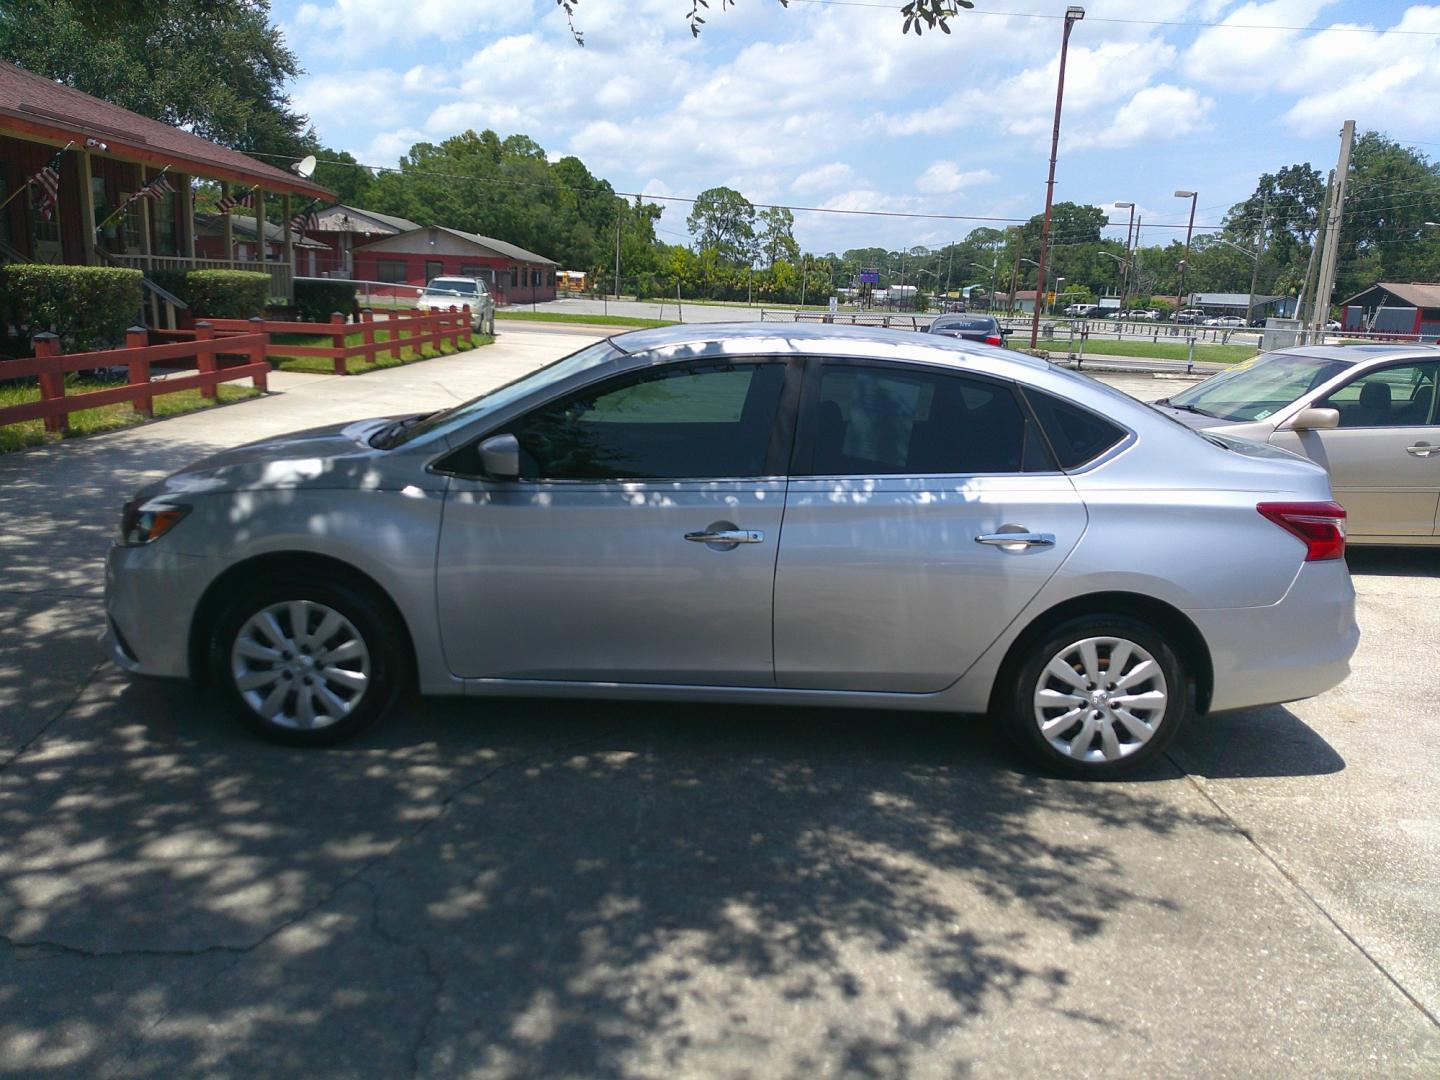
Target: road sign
[{"x": 870, "y": 276}]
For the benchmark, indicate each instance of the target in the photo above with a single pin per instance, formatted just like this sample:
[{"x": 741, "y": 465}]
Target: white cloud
[
  {"x": 945, "y": 177},
  {"x": 371, "y": 26},
  {"x": 1155, "y": 113},
  {"x": 822, "y": 178}
]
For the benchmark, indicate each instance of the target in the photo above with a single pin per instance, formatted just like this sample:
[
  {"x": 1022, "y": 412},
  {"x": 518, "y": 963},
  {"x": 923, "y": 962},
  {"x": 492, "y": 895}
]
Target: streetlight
[
  {"x": 1184, "y": 263},
  {"x": 1129, "y": 227},
  {"x": 994, "y": 269},
  {"x": 1058, "y": 282},
  {"x": 1072, "y": 16}
]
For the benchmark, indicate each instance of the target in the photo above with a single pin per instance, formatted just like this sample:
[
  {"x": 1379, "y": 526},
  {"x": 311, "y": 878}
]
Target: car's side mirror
[
  {"x": 500, "y": 457},
  {"x": 1314, "y": 419}
]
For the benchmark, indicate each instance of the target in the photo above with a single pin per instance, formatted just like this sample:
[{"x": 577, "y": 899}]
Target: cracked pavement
[{"x": 515, "y": 888}]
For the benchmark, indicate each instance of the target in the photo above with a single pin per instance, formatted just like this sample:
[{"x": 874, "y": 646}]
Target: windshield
[
  {"x": 448, "y": 420},
  {"x": 450, "y": 288},
  {"x": 1260, "y": 387}
]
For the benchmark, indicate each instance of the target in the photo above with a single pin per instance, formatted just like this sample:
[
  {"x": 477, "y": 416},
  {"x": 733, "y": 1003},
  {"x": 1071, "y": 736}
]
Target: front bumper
[
  {"x": 150, "y": 599},
  {"x": 1295, "y": 648}
]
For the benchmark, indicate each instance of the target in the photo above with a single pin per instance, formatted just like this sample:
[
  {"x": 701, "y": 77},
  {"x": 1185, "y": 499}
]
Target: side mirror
[
  {"x": 1006, "y": 331},
  {"x": 1314, "y": 419},
  {"x": 500, "y": 456}
]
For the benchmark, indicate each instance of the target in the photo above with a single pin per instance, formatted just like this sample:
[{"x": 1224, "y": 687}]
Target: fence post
[
  {"x": 205, "y": 357},
  {"x": 52, "y": 383},
  {"x": 337, "y": 343},
  {"x": 137, "y": 337},
  {"x": 1190, "y": 359},
  {"x": 257, "y": 326},
  {"x": 260, "y": 352},
  {"x": 367, "y": 335},
  {"x": 465, "y": 329}
]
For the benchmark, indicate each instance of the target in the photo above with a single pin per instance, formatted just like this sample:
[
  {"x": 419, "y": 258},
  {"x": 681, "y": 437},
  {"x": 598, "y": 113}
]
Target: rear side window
[
  {"x": 1076, "y": 435},
  {"x": 871, "y": 421}
]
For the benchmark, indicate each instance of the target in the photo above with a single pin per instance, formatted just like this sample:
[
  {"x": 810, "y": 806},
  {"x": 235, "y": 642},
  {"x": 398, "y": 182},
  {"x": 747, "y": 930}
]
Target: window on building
[
  {"x": 132, "y": 224},
  {"x": 390, "y": 270},
  {"x": 514, "y": 276},
  {"x": 474, "y": 270},
  {"x": 534, "y": 279},
  {"x": 164, "y": 217},
  {"x": 433, "y": 268},
  {"x": 552, "y": 279}
]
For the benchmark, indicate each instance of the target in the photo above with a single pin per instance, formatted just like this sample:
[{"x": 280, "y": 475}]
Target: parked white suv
[{"x": 444, "y": 292}]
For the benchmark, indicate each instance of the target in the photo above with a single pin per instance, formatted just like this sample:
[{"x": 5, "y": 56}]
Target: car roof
[{"x": 1363, "y": 352}]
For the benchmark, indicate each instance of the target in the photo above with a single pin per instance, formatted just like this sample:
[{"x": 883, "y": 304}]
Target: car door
[
  {"x": 895, "y": 573},
  {"x": 1384, "y": 458},
  {"x": 639, "y": 543}
]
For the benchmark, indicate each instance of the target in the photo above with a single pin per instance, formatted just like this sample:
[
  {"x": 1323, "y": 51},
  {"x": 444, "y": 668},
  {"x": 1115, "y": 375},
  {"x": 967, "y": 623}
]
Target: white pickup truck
[{"x": 443, "y": 292}]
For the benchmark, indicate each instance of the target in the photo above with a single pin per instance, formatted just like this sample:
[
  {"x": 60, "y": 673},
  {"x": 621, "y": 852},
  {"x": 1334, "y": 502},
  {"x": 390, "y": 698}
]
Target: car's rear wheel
[
  {"x": 308, "y": 663},
  {"x": 1099, "y": 697}
]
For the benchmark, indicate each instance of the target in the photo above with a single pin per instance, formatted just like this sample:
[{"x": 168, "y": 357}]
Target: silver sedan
[{"x": 753, "y": 514}]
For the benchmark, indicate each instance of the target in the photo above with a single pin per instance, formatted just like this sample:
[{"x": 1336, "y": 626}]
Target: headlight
[{"x": 143, "y": 524}]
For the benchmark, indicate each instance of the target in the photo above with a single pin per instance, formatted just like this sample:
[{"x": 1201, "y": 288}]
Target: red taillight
[
  {"x": 994, "y": 340},
  {"x": 1321, "y": 525}
]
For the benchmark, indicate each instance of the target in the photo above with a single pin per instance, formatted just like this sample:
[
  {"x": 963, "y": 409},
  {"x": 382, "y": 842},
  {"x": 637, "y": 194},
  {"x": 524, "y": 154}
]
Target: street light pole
[
  {"x": 1185, "y": 262},
  {"x": 1072, "y": 16},
  {"x": 1125, "y": 265},
  {"x": 1255, "y": 270}
]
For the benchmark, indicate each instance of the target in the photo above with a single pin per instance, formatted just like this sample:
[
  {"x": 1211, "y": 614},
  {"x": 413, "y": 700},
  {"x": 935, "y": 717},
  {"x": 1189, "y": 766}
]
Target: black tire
[
  {"x": 1100, "y": 758},
  {"x": 491, "y": 324},
  {"x": 363, "y": 616}
]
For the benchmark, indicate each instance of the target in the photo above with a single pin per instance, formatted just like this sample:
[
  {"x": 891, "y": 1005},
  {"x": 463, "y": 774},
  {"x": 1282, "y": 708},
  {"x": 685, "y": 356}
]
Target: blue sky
[{"x": 825, "y": 104}]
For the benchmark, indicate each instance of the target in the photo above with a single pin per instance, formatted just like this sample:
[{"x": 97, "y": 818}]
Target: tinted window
[
  {"x": 1402, "y": 396},
  {"x": 873, "y": 421},
  {"x": 1076, "y": 435},
  {"x": 707, "y": 421}
]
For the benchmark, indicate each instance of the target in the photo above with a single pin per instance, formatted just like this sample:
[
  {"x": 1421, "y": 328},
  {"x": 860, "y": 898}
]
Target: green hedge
[
  {"x": 316, "y": 300},
  {"x": 218, "y": 294},
  {"x": 90, "y": 307}
]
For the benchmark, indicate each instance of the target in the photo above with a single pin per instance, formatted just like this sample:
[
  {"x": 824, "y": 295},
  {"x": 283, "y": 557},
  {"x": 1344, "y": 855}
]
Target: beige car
[{"x": 1369, "y": 413}]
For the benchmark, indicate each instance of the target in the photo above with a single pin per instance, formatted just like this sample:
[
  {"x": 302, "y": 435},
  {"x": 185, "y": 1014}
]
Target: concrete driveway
[{"x": 568, "y": 889}]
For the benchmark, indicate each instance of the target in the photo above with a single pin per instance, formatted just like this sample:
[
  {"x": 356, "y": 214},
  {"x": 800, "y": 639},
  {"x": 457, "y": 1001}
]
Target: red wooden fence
[
  {"x": 415, "y": 329},
  {"x": 246, "y": 353}
]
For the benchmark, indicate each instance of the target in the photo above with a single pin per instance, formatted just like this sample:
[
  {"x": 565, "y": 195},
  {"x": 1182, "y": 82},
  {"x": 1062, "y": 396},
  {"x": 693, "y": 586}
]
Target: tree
[
  {"x": 216, "y": 67},
  {"x": 777, "y": 235},
  {"x": 723, "y": 222},
  {"x": 918, "y": 15}
]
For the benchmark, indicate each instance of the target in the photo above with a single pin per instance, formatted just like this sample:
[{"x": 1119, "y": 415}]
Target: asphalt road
[{"x": 567, "y": 889}]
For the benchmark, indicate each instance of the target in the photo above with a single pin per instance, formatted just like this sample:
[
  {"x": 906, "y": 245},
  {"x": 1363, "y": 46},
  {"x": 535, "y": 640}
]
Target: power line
[{"x": 978, "y": 13}]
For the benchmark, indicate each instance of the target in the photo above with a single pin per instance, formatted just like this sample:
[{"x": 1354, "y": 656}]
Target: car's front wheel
[
  {"x": 1099, "y": 697},
  {"x": 308, "y": 663}
]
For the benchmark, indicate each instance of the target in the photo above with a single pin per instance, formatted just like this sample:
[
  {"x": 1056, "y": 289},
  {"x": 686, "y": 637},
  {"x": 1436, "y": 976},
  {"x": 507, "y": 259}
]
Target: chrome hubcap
[
  {"x": 1100, "y": 699},
  {"x": 300, "y": 664}
]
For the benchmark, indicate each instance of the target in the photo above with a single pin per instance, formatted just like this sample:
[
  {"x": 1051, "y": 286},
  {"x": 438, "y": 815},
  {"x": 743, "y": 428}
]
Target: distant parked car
[
  {"x": 1190, "y": 315},
  {"x": 753, "y": 514},
  {"x": 1227, "y": 322},
  {"x": 1365, "y": 412},
  {"x": 444, "y": 292},
  {"x": 981, "y": 328}
]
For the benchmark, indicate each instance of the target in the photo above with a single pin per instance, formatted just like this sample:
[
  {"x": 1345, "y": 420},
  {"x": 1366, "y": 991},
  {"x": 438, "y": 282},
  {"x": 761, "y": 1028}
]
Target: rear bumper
[{"x": 1293, "y": 649}]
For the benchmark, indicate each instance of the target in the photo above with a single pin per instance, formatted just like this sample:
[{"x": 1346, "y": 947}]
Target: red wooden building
[
  {"x": 515, "y": 275},
  {"x": 105, "y": 154}
]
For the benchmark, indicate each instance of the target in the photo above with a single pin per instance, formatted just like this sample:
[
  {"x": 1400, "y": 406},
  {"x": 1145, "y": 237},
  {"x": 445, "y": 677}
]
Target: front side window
[
  {"x": 873, "y": 421},
  {"x": 707, "y": 421},
  {"x": 1402, "y": 396}
]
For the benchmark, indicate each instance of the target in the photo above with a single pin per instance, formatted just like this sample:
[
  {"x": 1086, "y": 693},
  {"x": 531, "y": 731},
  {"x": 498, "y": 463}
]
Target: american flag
[
  {"x": 158, "y": 188},
  {"x": 49, "y": 180},
  {"x": 229, "y": 202},
  {"x": 305, "y": 221}
]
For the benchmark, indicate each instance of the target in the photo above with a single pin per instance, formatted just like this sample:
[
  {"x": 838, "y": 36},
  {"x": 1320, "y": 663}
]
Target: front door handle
[
  {"x": 727, "y": 536},
  {"x": 1421, "y": 449},
  {"x": 1017, "y": 539}
]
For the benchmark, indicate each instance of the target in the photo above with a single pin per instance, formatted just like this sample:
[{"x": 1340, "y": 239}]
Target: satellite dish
[{"x": 305, "y": 166}]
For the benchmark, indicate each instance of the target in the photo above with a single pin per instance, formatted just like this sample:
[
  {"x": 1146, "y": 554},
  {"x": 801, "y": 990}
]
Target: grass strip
[
  {"x": 106, "y": 417},
  {"x": 584, "y": 320},
  {"x": 388, "y": 358}
]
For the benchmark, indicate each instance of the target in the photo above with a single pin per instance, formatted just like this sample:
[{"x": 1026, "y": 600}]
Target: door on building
[{"x": 433, "y": 268}]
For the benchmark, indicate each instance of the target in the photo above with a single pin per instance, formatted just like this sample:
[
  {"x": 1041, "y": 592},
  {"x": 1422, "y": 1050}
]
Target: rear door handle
[
  {"x": 1017, "y": 539},
  {"x": 1422, "y": 449},
  {"x": 727, "y": 536}
]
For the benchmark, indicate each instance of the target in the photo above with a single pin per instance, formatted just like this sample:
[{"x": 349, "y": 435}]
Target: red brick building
[
  {"x": 414, "y": 257},
  {"x": 105, "y": 154}
]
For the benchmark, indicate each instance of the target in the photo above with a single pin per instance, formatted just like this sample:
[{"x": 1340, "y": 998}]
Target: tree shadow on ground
[{"x": 540, "y": 888}]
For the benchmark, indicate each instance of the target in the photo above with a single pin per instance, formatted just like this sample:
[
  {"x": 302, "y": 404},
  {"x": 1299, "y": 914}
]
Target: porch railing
[{"x": 282, "y": 280}]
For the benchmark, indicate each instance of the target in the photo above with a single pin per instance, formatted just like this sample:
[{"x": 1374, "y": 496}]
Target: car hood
[
  {"x": 334, "y": 456},
  {"x": 1257, "y": 430}
]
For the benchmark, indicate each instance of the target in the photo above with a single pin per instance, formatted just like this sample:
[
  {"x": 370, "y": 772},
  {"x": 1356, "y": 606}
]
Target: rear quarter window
[{"x": 1078, "y": 436}]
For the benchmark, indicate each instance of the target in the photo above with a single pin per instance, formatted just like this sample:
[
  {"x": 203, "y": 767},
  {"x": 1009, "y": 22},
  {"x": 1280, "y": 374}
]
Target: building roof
[
  {"x": 339, "y": 218},
  {"x": 1420, "y": 294},
  {"x": 243, "y": 225},
  {"x": 508, "y": 250},
  {"x": 32, "y": 105}
]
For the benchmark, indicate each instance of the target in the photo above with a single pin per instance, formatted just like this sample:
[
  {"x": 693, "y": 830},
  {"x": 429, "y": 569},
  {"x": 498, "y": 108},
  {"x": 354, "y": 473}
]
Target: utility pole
[
  {"x": 1015, "y": 270},
  {"x": 617, "y": 253},
  {"x": 1073, "y": 15},
  {"x": 1332, "y": 231},
  {"x": 1314, "y": 250},
  {"x": 1194, "y": 197},
  {"x": 1125, "y": 266},
  {"x": 1131, "y": 255},
  {"x": 1255, "y": 271}
]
